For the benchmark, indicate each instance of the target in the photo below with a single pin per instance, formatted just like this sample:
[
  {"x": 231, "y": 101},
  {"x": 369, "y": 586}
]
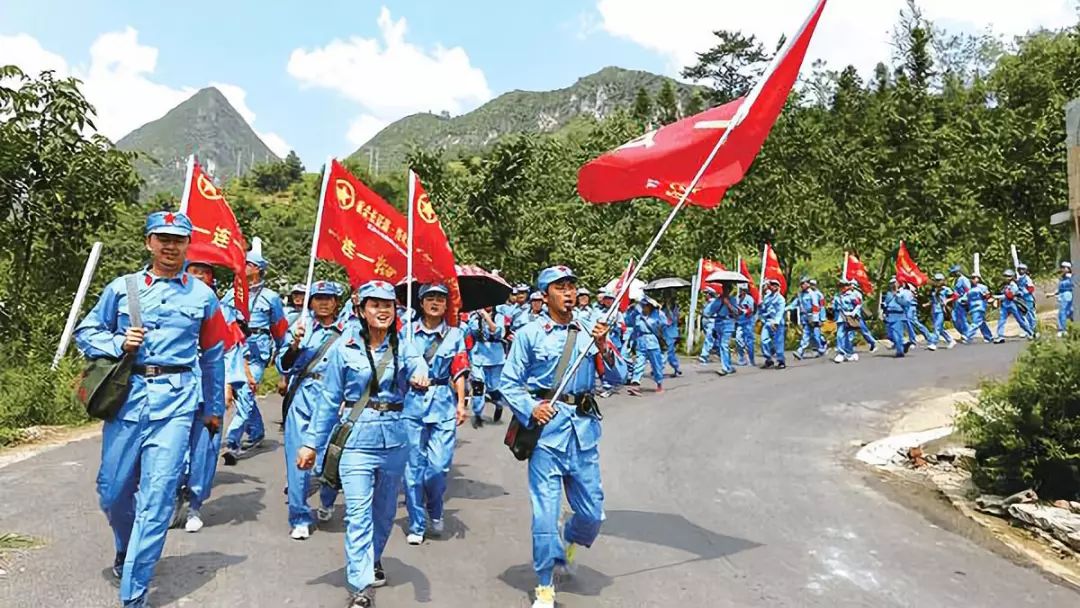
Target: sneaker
[
  {"x": 678, "y": 373},
  {"x": 931, "y": 347},
  {"x": 797, "y": 354},
  {"x": 362, "y": 599},
  {"x": 768, "y": 364},
  {"x": 1061, "y": 334},
  {"x": 999, "y": 340},
  {"x": 874, "y": 347},
  {"x": 545, "y": 597},
  {"x": 853, "y": 357},
  {"x": 838, "y": 358},
  {"x": 380, "y": 575},
  {"x": 324, "y": 514},
  {"x": 438, "y": 526},
  {"x": 951, "y": 344},
  {"x": 604, "y": 394},
  {"x": 252, "y": 444},
  {"x": 194, "y": 522},
  {"x": 118, "y": 565},
  {"x": 781, "y": 365},
  {"x": 721, "y": 372},
  {"x": 732, "y": 371},
  {"x": 415, "y": 539},
  {"x": 659, "y": 389},
  {"x": 300, "y": 533}
]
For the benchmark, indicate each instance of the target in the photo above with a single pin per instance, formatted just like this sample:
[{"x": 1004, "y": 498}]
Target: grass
[{"x": 11, "y": 541}]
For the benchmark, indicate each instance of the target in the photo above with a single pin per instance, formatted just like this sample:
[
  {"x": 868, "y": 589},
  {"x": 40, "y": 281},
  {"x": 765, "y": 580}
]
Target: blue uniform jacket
[
  {"x": 647, "y": 329},
  {"x": 184, "y": 327},
  {"x": 895, "y": 306},
  {"x": 941, "y": 296},
  {"x": 448, "y": 363},
  {"x": 962, "y": 286},
  {"x": 487, "y": 345},
  {"x": 747, "y": 309},
  {"x": 267, "y": 322},
  {"x": 345, "y": 379},
  {"x": 315, "y": 336},
  {"x": 530, "y": 369},
  {"x": 671, "y": 323},
  {"x": 772, "y": 308},
  {"x": 976, "y": 297},
  {"x": 1065, "y": 289}
]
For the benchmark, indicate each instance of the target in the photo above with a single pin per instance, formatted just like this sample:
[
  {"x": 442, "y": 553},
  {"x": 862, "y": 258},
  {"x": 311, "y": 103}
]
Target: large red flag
[
  {"x": 708, "y": 267},
  {"x": 744, "y": 270},
  {"x": 662, "y": 163},
  {"x": 855, "y": 269},
  {"x": 907, "y": 271},
  {"x": 433, "y": 259},
  {"x": 772, "y": 268},
  {"x": 360, "y": 230},
  {"x": 216, "y": 236}
]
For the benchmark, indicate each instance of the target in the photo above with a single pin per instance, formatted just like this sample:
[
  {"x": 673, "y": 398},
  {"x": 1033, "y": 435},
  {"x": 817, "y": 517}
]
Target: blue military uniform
[
  {"x": 773, "y": 327},
  {"x": 895, "y": 305},
  {"x": 292, "y": 313},
  {"x": 376, "y": 451},
  {"x": 430, "y": 418},
  {"x": 487, "y": 357},
  {"x": 646, "y": 336},
  {"x": 1064, "y": 297},
  {"x": 1027, "y": 295},
  {"x": 744, "y": 327},
  {"x": 671, "y": 335},
  {"x": 708, "y": 322},
  {"x": 961, "y": 287},
  {"x": 848, "y": 304},
  {"x": 144, "y": 446},
  {"x": 1012, "y": 297},
  {"x": 912, "y": 325},
  {"x": 567, "y": 456},
  {"x": 725, "y": 311},
  {"x": 292, "y": 364},
  {"x": 976, "y": 299},
  {"x": 809, "y": 302},
  {"x": 939, "y": 301}
]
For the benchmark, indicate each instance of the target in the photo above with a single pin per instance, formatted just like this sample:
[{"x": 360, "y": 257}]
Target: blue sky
[{"x": 324, "y": 78}]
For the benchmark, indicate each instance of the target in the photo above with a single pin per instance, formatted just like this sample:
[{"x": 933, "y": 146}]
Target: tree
[
  {"x": 696, "y": 103},
  {"x": 59, "y": 188},
  {"x": 294, "y": 169},
  {"x": 643, "y": 110},
  {"x": 731, "y": 66},
  {"x": 667, "y": 107}
]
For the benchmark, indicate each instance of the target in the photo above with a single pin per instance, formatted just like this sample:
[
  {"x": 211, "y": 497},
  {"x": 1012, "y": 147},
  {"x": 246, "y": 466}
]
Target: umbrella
[
  {"x": 479, "y": 288},
  {"x": 726, "y": 276},
  {"x": 637, "y": 288},
  {"x": 668, "y": 283}
]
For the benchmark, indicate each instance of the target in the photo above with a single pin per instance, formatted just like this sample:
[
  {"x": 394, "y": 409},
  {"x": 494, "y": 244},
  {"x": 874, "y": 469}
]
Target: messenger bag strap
[
  {"x": 132, "y": 283},
  {"x": 373, "y": 386},
  {"x": 564, "y": 359},
  {"x": 429, "y": 354}
]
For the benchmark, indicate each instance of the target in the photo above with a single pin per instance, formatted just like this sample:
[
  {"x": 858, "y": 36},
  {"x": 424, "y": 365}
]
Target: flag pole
[
  {"x": 315, "y": 239},
  {"x": 1016, "y": 259},
  {"x": 185, "y": 198},
  {"x": 764, "y": 258},
  {"x": 409, "y": 256},
  {"x": 843, "y": 275},
  {"x": 695, "y": 286},
  {"x": 76, "y": 304},
  {"x": 976, "y": 268}
]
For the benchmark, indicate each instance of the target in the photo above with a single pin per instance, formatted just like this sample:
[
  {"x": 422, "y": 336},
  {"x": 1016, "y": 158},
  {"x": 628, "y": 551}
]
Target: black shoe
[
  {"x": 908, "y": 346},
  {"x": 781, "y": 365},
  {"x": 118, "y": 565},
  {"x": 362, "y": 599},
  {"x": 230, "y": 458},
  {"x": 477, "y": 422},
  {"x": 497, "y": 416},
  {"x": 767, "y": 365},
  {"x": 380, "y": 576}
]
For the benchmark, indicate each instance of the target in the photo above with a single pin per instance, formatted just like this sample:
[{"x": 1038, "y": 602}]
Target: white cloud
[
  {"x": 119, "y": 82},
  {"x": 850, "y": 32},
  {"x": 391, "y": 78}
]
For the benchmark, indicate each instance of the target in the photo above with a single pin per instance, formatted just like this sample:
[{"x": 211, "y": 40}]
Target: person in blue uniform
[
  {"x": 566, "y": 458},
  {"x": 367, "y": 358},
  {"x": 895, "y": 304},
  {"x": 809, "y": 302},
  {"x": 913, "y": 326},
  {"x": 1064, "y": 296},
  {"x": 532, "y": 312},
  {"x": 267, "y": 326},
  {"x": 773, "y": 325},
  {"x": 511, "y": 310},
  {"x": 619, "y": 335},
  {"x": 1012, "y": 304},
  {"x": 864, "y": 329},
  {"x": 1027, "y": 296},
  {"x": 433, "y": 415},
  {"x": 847, "y": 305},
  {"x": 744, "y": 326},
  {"x": 977, "y": 296},
  {"x": 487, "y": 328},
  {"x": 961, "y": 287},
  {"x": 296, "y": 303},
  {"x": 302, "y": 362},
  {"x": 725, "y": 311},
  {"x": 940, "y": 298},
  {"x": 205, "y": 445},
  {"x": 708, "y": 322},
  {"x": 672, "y": 318},
  {"x": 144, "y": 446},
  {"x": 648, "y": 333},
  {"x": 585, "y": 310}
]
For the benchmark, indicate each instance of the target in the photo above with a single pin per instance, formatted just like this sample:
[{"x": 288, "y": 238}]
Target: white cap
[{"x": 1067, "y": 265}]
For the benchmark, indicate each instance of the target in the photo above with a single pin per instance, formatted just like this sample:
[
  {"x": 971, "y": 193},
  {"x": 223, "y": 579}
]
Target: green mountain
[
  {"x": 595, "y": 96},
  {"x": 206, "y": 124}
]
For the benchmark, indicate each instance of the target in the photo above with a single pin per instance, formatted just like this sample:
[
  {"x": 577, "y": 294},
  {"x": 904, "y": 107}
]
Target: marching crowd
[{"x": 373, "y": 393}]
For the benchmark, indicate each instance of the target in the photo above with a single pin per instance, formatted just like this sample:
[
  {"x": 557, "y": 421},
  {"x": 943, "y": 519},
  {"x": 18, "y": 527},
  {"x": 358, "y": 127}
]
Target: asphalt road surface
[{"x": 739, "y": 491}]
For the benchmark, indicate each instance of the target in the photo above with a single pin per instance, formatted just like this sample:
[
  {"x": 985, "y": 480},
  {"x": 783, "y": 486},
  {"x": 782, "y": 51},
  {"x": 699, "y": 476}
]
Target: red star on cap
[{"x": 169, "y": 218}]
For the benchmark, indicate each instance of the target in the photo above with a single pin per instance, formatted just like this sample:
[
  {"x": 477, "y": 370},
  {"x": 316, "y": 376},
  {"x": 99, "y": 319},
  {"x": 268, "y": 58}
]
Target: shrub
[
  {"x": 32, "y": 394},
  {"x": 1026, "y": 429}
]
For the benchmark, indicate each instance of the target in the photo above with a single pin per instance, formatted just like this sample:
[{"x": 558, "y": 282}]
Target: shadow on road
[
  {"x": 586, "y": 581},
  {"x": 225, "y": 477},
  {"x": 178, "y": 576},
  {"x": 398, "y": 573},
  {"x": 235, "y": 509},
  {"x": 458, "y": 486}
]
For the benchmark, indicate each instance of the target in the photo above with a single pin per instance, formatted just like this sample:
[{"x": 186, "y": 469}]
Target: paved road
[{"x": 738, "y": 492}]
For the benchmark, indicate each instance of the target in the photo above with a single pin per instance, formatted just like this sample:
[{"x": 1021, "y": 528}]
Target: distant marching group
[{"x": 374, "y": 394}]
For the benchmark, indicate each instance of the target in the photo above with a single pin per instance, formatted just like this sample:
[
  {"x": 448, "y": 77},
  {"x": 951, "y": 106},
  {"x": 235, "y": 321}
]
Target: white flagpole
[
  {"x": 186, "y": 196},
  {"x": 977, "y": 270},
  {"x": 1016, "y": 259},
  {"x": 315, "y": 239},
  {"x": 764, "y": 258},
  {"x": 695, "y": 286},
  {"x": 409, "y": 256},
  {"x": 844, "y": 274},
  {"x": 76, "y": 304}
]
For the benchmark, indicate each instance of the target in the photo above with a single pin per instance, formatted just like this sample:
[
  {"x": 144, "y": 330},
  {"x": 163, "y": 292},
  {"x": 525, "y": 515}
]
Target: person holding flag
[
  {"x": 1027, "y": 295},
  {"x": 432, "y": 416},
  {"x": 976, "y": 299},
  {"x": 961, "y": 287},
  {"x": 773, "y": 325},
  {"x": 810, "y": 303},
  {"x": 1012, "y": 304},
  {"x": 895, "y": 304}
]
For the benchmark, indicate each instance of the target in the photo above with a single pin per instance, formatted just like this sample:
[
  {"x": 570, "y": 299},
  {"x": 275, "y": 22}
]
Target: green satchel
[
  {"x": 331, "y": 475},
  {"x": 105, "y": 382}
]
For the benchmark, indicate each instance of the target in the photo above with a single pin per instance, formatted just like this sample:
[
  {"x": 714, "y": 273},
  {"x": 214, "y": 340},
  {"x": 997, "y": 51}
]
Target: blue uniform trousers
[
  {"x": 253, "y": 426},
  {"x": 978, "y": 324},
  {"x": 708, "y": 342},
  {"x": 940, "y": 333},
  {"x": 914, "y": 325},
  {"x": 297, "y": 422},
  {"x": 1065, "y": 311},
  {"x": 960, "y": 321},
  {"x": 672, "y": 355},
  {"x": 845, "y": 339},
  {"x": 491, "y": 377},
  {"x": 202, "y": 462},
  {"x": 725, "y": 331},
  {"x": 772, "y": 342},
  {"x": 578, "y": 472},
  {"x": 246, "y": 417},
  {"x": 744, "y": 343},
  {"x": 141, "y": 465},
  {"x": 655, "y": 357},
  {"x": 1032, "y": 319},
  {"x": 811, "y": 336},
  {"x": 864, "y": 330},
  {"x": 894, "y": 325},
  {"x": 1010, "y": 308},
  {"x": 431, "y": 451},
  {"x": 370, "y": 479}
]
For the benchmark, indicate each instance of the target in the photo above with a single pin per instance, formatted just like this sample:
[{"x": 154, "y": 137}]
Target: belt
[
  {"x": 441, "y": 382},
  {"x": 584, "y": 402},
  {"x": 260, "y": 331},
  {"x": 152, "y": 371},
  {"x": 381, "y": 407}
]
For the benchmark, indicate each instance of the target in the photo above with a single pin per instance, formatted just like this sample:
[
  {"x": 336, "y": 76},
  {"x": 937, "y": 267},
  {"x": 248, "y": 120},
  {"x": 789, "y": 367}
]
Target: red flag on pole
[
  {"x": 772, "y": 268},
  {"x": 744, "y": 269},
  {"x": 215, "y": 235},
  {"x": 907, "y": 271},
  {"x": 708, "y": 267},
  {"x": 624, "y": 303},
  {"x": 855, "y": 269},
  {"x": 662, "y": 163},
  {"x": 433, "y": 258}
]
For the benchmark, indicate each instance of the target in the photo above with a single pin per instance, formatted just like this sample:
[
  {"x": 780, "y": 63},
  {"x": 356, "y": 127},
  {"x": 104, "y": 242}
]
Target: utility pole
[{"x": 1072, "y": 214}]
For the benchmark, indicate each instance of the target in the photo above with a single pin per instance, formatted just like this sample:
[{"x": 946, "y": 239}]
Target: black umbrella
[{"x": 479, "y": 288}]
